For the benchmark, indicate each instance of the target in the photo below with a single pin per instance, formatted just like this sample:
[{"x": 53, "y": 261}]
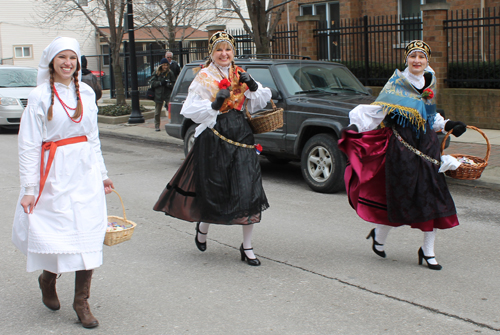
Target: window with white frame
[
  {"x": 411, "y": 20},
  {"x": 226, "y": 4},
  {"x": 329, "y": 15},
  {"x": 83, "y": 3},
  {"x": 105, "y": 54},
  {"x": 23, "y": 51}
]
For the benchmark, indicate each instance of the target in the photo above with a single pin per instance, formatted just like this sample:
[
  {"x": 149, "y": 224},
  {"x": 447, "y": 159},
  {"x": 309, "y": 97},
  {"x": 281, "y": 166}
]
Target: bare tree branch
[{"x": 276, "y": 6}]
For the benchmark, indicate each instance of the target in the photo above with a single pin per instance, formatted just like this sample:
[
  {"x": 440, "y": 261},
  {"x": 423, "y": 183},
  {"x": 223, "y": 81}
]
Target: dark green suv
[{"x": 316, "y": 97}]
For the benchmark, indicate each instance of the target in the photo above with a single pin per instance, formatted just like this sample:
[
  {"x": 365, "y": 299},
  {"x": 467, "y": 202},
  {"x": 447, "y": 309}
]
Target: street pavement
[
  {"x": 318, "y": 273},
  {"x": 470, "y": 143}
]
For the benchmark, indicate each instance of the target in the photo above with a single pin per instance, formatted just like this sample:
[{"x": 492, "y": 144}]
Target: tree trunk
[
  {"x": 258, "y": 18},
  {"x": 119, "y": 87}
]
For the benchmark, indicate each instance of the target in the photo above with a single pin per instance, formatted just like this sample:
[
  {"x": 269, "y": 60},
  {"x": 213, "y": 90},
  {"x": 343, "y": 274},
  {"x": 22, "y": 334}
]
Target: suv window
[
  {"x": 189, "y": 75},
  {"x": 263, "y": 76},
  {"x": 319, "y": 77}
]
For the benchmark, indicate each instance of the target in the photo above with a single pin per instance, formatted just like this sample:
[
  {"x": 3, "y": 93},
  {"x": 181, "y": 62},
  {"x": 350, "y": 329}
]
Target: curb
[{"x": 173, "y": 142}]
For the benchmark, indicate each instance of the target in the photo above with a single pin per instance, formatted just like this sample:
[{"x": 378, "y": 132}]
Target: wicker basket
[
  {"x": 466, "y": 171},
  {"x": 119, "y": 236},
  {"x": 267, "y": 120}
]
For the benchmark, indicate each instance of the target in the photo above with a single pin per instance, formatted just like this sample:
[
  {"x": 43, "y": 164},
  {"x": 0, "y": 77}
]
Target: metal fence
[
  {"x": 474, "y": 48},
  {"x": 284, "y": 42},
  {"x": 148, "y": 61},
  {"x": 371, "y": 47}
]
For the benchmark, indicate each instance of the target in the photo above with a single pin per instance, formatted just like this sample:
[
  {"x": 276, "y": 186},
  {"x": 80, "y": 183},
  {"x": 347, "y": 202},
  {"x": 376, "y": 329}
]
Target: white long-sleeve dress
[{"x": 66, "y": 229}]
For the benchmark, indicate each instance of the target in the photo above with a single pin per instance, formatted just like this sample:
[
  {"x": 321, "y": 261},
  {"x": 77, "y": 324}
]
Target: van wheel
[
  {"x": 189, "y": 139},
  {"x": 323, "y": 164}
]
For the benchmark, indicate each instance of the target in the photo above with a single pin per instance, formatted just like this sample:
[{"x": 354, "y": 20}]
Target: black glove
[
  {"x": 458, "y": 127},
  {"x": 247, "y": 79},
  {"x": 219, "y": 98},
  {"x": 352, "y": 127}
]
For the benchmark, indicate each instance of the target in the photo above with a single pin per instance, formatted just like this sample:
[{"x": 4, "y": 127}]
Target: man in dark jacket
[
  {"x": 174, "y": 67},
  {"x": 91, "y": 80},
  {"x": 162, "y": 82}
]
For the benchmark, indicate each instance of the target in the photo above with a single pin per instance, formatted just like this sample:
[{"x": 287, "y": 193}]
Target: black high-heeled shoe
[
  {"x": 430, "y": 266},
  {"x": 244, "y": 257},
  {"x": 199, "y": 245},
  {"x": 372, "y": 235}
]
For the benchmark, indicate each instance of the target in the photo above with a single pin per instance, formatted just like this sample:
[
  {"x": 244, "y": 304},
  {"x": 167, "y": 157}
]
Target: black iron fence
[
  {"x": 473, "y": 38},
  {"x": 283, "y": 43},
  {"x": 148, "y": 61},
  {"x": 371, "y": 47}
]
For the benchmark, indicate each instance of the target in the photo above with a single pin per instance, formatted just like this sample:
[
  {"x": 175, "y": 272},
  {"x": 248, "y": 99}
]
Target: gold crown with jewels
[
  {"x": 419, "y": 46},
  {"x": 218, "y": 37}
]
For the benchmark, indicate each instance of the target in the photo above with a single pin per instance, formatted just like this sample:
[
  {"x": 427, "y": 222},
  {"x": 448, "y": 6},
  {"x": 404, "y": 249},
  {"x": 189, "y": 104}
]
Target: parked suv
[{"x": 316, "y": 97}]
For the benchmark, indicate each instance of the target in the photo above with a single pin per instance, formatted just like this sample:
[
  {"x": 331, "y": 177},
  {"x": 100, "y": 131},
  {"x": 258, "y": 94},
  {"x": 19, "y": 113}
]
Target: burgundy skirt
[{"x": 388, "y": 184}]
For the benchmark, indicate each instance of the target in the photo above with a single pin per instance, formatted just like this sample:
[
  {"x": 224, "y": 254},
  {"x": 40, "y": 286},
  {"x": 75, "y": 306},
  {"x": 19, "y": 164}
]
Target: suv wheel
[
  {"x": 323, "y": 164},
  {"x": 189, "y": 139}
]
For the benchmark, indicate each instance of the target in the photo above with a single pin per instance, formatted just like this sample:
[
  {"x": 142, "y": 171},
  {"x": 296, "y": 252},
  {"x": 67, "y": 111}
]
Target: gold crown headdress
[
  {"x": 418, "y": 45},
  {"x": 219, "y": 37}
]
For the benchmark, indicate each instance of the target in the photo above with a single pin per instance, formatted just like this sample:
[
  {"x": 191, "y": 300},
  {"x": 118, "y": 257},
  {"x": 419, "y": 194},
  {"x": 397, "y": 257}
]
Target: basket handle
[
  {"x": 249, "y": 116},
  {"x": 123, "y": 206},
  {"x": 488, "y": 145}
]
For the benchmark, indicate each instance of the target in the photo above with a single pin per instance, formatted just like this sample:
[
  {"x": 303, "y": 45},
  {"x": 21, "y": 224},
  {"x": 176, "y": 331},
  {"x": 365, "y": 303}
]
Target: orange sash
[{"x": 52, "y": 147}]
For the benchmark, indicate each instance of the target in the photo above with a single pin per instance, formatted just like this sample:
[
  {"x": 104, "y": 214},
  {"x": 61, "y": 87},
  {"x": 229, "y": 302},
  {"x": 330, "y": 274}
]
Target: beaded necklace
[{"x": 64, "y": 106}]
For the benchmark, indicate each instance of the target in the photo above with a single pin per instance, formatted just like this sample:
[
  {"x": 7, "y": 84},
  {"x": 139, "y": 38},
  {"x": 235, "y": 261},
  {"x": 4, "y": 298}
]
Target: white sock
[
  {"x": 203, "y": 228},
  {"x": 428, "y": 246},
  {"x": 247, "y": 240},
  {"x": 381, "y": 232}
]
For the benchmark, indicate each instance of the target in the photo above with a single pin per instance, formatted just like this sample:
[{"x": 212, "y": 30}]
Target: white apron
[{"x": 66, "y": 230}]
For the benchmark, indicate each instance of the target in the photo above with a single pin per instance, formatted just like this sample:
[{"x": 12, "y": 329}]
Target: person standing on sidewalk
[
  {"x": 91, "y": 80},
  {"x": 61, "y": 217},
  {"x": 174, "y": 66},
  {"x": 220, "y": 180},
  {"x": 162, "y": 82},
  {"x": 393, "y": 177}
]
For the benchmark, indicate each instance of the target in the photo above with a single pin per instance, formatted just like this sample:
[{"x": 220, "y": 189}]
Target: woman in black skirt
[{"x": 220, "y": 179}]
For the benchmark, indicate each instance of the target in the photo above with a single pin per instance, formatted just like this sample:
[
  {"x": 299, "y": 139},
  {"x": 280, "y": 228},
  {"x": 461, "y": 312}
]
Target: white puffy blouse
[{"x": 198, "y": 105}]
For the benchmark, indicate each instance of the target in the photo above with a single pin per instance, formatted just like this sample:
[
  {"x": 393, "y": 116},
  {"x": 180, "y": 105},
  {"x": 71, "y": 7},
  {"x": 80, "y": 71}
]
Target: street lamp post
[{"x": 135, "y": 115}]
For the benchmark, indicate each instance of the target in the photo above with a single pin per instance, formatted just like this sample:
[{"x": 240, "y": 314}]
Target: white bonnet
[{"x": 56, "y": 46}]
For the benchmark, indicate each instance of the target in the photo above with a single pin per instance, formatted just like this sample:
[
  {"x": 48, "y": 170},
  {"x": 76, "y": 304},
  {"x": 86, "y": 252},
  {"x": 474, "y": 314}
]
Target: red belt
[{"x": 52, "y": 146}]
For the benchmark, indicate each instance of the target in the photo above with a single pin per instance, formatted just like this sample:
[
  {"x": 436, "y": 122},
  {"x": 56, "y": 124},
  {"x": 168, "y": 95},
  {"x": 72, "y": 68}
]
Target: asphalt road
[{"x": 318, "y": 273}]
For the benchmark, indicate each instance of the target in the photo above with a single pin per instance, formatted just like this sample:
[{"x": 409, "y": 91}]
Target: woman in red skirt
[{"x": 393, "y": 177}]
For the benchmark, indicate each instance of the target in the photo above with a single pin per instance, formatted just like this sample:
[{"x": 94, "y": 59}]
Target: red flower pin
[
  {"x": 224, "y": 84},
  {"x": 427, "y": 94},
  {"x": 258, "y": 148}
]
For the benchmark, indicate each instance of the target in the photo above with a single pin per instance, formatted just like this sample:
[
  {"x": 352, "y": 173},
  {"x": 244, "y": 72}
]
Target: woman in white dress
[{"x": 61, "y": 217}]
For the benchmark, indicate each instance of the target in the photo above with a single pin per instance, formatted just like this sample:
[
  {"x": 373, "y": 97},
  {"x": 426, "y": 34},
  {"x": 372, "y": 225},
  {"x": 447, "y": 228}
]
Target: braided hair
[{"x": 79, "y": 106}]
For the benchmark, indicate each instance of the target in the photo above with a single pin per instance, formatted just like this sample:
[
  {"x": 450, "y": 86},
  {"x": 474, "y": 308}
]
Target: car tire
[
  {"x": 275, "y": 160},
  {"x": 189, "y": 139},
  {"x": 323, "y": 164}
]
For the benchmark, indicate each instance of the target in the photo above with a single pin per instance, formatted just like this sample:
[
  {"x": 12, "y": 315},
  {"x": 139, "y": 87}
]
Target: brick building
[{"x": 333, "y": 11}]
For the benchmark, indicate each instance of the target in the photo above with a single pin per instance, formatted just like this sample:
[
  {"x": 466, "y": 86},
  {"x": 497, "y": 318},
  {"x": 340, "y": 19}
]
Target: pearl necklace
[{"x": 64, "y": 106}]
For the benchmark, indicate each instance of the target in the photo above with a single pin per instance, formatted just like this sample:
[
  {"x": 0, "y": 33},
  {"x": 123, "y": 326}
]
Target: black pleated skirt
[{"x": 218, "y": 182}]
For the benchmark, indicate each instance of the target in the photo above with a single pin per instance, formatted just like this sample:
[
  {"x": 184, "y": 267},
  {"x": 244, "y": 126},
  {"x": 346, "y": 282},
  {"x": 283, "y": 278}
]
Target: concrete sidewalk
[{"x": 470, "y": 143}]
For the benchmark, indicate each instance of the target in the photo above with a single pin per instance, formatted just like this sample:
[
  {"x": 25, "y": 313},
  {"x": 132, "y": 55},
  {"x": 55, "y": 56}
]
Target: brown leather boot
[
  {"x": 82, "y": 293},
  {"x": 47, "y": 283}
]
